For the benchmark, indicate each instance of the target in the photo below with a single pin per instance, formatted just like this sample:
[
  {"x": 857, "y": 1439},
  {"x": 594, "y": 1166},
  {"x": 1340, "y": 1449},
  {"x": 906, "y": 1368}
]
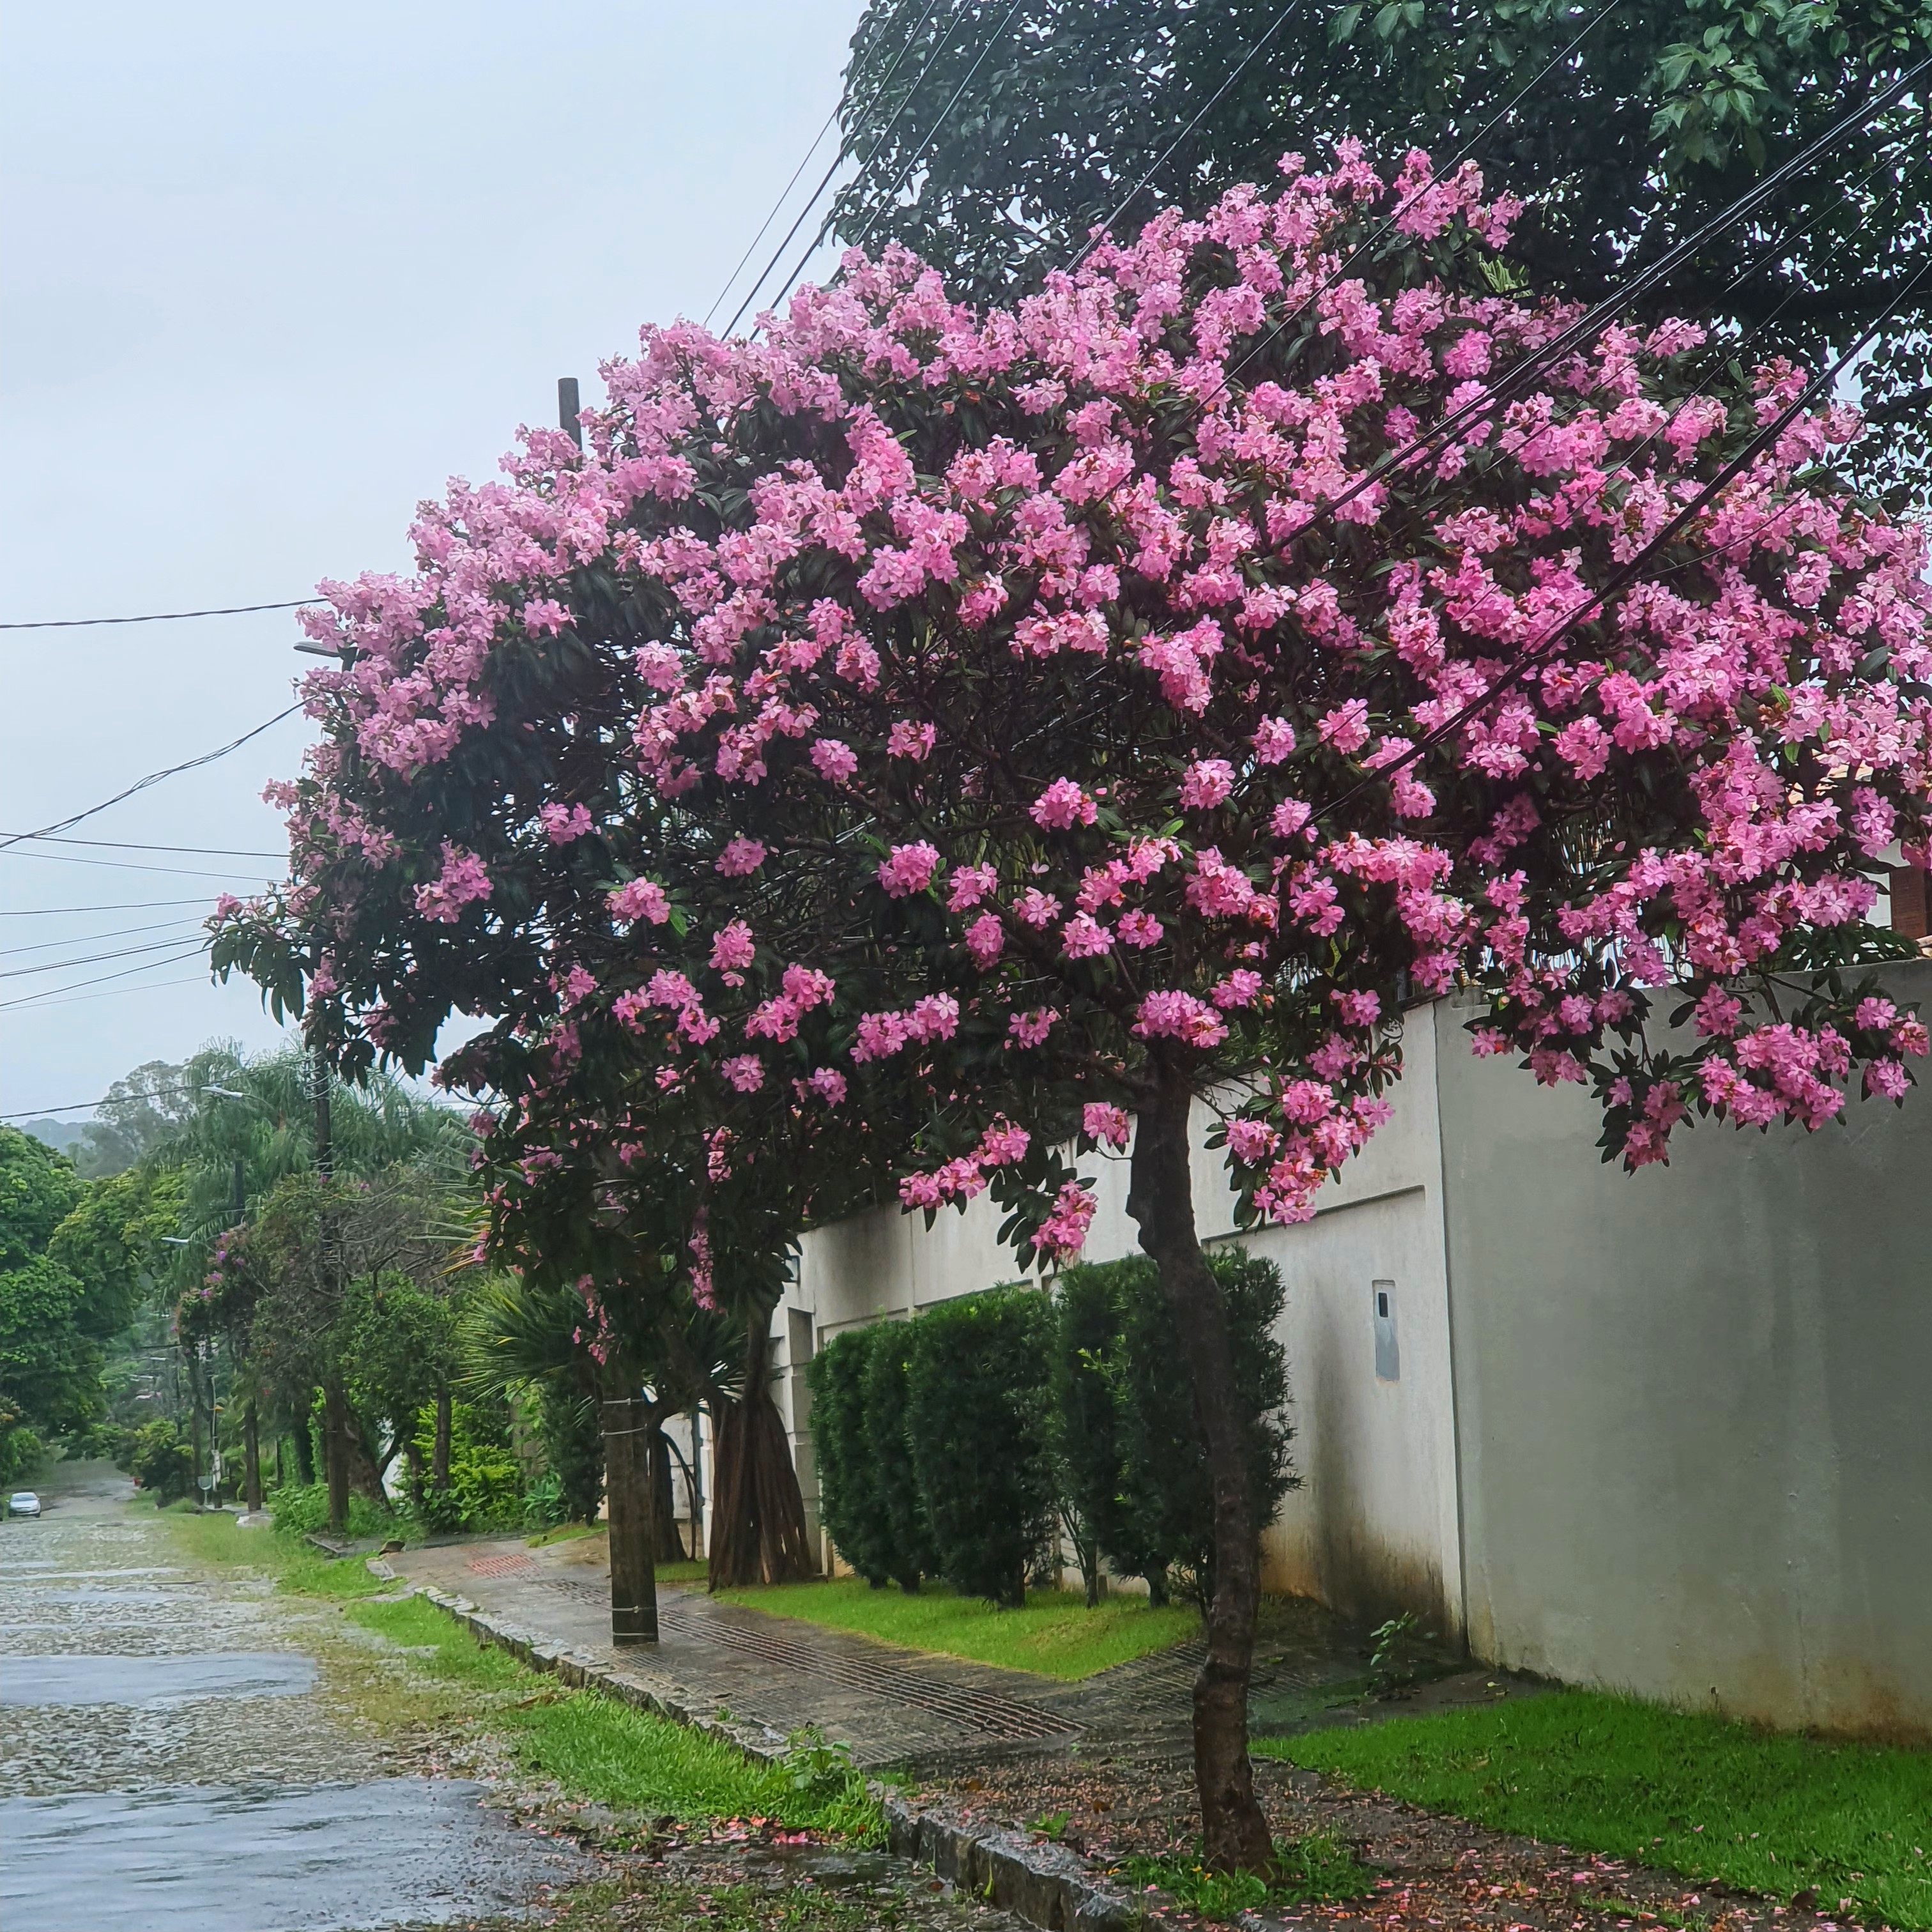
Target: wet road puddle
[
  {"x": 150, "y": 1683},
  {"x": 274, "y": 1858}
]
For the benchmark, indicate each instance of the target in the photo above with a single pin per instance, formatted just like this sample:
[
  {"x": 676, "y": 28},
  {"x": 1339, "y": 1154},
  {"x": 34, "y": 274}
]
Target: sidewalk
[{"x": 775, "y": 1675}]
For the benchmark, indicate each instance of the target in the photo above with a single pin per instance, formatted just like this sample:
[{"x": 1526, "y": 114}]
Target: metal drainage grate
[{"x": 515, "y": 1565}]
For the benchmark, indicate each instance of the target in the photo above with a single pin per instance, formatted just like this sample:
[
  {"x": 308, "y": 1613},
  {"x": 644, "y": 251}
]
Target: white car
[{"x": 23, "y": 1502}]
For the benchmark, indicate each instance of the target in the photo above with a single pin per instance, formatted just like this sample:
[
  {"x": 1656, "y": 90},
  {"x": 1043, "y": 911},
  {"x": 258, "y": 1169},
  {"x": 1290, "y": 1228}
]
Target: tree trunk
[
  {"x": 758, "y": 1532},
  {"x": 305, "y": 1440},
  {"x": 335, "y": 1455},
  {"x": 627, "y": 1502},
  {"x": 1160, "y": 1199},
  {"x": 439, "y": 1459},
  {"x": 251, "y": 1446}
]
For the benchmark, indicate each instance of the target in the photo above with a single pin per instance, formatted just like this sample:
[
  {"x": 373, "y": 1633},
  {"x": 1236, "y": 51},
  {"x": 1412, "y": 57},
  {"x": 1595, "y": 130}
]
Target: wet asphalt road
[{"x": 167, "y": 1759}]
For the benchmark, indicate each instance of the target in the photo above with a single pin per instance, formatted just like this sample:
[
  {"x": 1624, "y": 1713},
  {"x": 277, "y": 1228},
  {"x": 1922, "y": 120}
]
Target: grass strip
[
  {"x": 616, "y": 1754},
  {"x": 1054, "y": 1635},
  {"x": 1717, "y": 1801},
  {"x": 210, "y": 1537}
]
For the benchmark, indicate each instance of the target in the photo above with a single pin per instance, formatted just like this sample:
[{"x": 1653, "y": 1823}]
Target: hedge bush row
[{"x": 954, "y": 1443}]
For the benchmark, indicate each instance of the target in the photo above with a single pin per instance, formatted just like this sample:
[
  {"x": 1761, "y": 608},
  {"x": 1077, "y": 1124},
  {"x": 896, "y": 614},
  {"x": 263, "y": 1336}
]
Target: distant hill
[{"x": 63, "y": 1136}]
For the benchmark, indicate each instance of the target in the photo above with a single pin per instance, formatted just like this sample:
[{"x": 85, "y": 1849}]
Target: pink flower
[
  {"x": 1874, "y": 1015},
  {"x": 1346, "y": 727},
  {"x": 1100, "y": 1121},
  {"x": 642, "y": 898},
  {"x": 1289, "y": 817},
  {"x": 740, "y": 857},
  {"x": 1002, "y": 1145},
  {"x": 1085, "y": 938},
  {"x": 1241, "y": 987},
  {"x": 829, "y": 1085},
  {"x": 1142, "y": 929},
  {"x": 1030, "y": 1029},
  {"x": 836, "y": 763},
  {"x": 915, "y": 742},
  {"x": 1251, "y": 1142},
  {"x": 985, "y": 939},
  {"x": 907, "y": 869},
  {"x": 1209, "y": 782},
  {"x": 745, "y": 1072},
  {"x": 1358, "y": 1009},
  {"x": 1180, "y": 1016},
  {"x": 462, "y": 881},
  {"x": 1063, "y": 1234},
  {"x": 1062, "y": 806},
  {"x": 970, "y": 885},
  {"x": 732, "y": 947},
  {"x": 1274, "y": 741},
  {"x": 564, "y": 823},
  {"x": 1037, "y": 908},
  {"x": 935, "y": 1017}
]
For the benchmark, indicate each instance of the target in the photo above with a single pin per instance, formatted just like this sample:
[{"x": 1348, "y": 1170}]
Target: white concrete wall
[
  {"x": 1372, "y": 1528},
  {"x": 1696, "y": 1402}
]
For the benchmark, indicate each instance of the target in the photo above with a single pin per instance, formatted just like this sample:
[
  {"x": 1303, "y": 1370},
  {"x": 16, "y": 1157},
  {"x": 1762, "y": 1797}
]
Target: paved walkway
[{"x": 892, "y": 1706}]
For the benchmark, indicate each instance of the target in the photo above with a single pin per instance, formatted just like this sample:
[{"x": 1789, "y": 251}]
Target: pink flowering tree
[{"x": 1122, "y": 703}]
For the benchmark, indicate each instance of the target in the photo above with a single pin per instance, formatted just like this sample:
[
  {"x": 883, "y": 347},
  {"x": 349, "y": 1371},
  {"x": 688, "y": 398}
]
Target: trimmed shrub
[
  {"x": 851, "y": 1505},
  {"x": 977, "y": 1397},
  {"x": 911, "y": 1551},
  {"x": 1132, "y": 1463}
]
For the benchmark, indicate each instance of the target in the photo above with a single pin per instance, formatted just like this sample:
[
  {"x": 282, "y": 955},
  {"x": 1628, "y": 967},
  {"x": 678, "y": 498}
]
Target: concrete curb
[{"x": 1044, "y": 1884}]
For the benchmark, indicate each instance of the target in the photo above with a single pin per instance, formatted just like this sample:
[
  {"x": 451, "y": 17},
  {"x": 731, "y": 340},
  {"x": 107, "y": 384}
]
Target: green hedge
[
  {"x": 908, "y": 1522},
  {"x": 949, "y": 1443},
  {"x": 975, "y": 1412},
  {"x": 1130, "y": 1456}
]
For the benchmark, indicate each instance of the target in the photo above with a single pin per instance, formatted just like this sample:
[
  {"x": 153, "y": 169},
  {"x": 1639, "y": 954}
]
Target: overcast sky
[{"x": 272, "y": 275}]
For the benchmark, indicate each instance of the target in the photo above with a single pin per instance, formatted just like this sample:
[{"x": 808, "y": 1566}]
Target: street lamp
[{"x": 226, "y": 1093}]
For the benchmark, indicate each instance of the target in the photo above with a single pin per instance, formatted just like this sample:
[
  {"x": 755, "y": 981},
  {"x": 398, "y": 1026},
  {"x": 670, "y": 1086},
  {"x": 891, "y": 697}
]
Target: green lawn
[
  {"x": 1055, "y": 1634},
  {"x": 609, "y": 1752},
  {"x": 1714, "y": 1800}
]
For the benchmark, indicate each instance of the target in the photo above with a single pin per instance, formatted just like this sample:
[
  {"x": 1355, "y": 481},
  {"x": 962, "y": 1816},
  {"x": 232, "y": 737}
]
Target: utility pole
[
  {"x": 251, "y": 1436},
  {"x": 567, "y": 409},
  {"x": 334, "y": 1403}
]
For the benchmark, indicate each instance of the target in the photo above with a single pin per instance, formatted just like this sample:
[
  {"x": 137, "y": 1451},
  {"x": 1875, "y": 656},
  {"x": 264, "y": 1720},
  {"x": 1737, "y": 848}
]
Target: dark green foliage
[
  {"x": 572, "y": 1436},
  {"x": 977, "y": 1397},
  {"x": 1129, "y": 1450},
  {"x": 851, "y": 1505},
  {"x": 160, "y": 1459},
  {"x": 1085, "y": 1454},
  {"x": 888, "y": 1435}
]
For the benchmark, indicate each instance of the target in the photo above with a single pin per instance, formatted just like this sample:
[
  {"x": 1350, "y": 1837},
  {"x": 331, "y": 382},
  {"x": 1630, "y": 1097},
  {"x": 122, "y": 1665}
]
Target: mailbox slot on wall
[{"x": 1388, "y": 1356}]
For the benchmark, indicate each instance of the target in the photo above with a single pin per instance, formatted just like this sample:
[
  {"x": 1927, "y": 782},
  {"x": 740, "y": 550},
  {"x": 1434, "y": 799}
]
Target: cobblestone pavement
[
  {"x": 170, "y": 1755},
  {"x": 891, "y": 1706}
]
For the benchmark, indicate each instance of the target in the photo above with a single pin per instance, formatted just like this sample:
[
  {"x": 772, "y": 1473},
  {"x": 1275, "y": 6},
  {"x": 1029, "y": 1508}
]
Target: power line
[
  {"x": 89, "y": 939},
  {"x": 1280, "y": 20},
  {"x": 109, "y": 1100},
  {"x": 28, "y": 999},
  {"x": 96, "y": 958},
  {"x": 134, "y": 845},
  {"x": 42, "y": 1000},
  {"x": 826, "y": 129},
  {"x": 159, "y": 616},
  {"x": 885, "y": 133},
  {"x": 125, "y": 865},
  {"x": 152, "y": 778},
  {"x": 64, "y": 912}
]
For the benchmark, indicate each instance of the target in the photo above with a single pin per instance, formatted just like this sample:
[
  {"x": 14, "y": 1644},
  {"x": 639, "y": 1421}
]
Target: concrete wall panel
[{"x": 1697, "y": 1403}]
